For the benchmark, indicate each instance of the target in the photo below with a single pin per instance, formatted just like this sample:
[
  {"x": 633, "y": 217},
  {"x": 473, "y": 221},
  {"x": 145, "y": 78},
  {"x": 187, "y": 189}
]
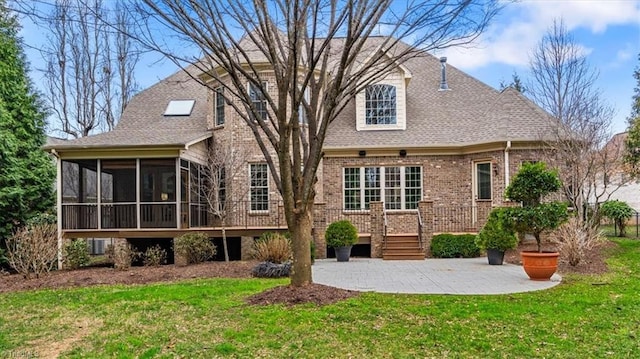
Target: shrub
[
  {"x": 530, "y": 185},
  {"x": 448, "y": 245},
  {"x": 341, "y": 234},
  {"x": 154, "y": 256},
  {"x": 76, "y": 254},
  {"x": 194, "y": 247},
  {"x": 271, "y": 270},
  {"x": 619, "y": 212},
  {"x": 498, "y": 233},
  {"x": 33, "y": 249},
  {"x": 272, "y": 247},
  {"x": 121, "y": 255},
  {"x": 574, "y": 239}
]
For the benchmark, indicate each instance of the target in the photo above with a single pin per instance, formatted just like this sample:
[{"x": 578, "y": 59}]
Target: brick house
[{"x": 428, "y": 149}]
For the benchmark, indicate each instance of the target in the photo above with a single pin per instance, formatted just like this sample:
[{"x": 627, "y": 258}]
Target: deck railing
[{"x": 461, "y": 218}]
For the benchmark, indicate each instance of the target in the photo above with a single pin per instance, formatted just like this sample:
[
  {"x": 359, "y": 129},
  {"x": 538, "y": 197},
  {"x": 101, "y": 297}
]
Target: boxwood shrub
[{"x": 448, "y": 245}]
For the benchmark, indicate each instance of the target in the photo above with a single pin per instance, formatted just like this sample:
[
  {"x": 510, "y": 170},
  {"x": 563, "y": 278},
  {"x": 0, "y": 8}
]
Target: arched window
[{"x": 380, "y": 102}]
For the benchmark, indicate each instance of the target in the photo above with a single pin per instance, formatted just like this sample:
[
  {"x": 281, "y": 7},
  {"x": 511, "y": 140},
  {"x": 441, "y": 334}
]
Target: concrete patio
[{"x": 431, "y": 276}]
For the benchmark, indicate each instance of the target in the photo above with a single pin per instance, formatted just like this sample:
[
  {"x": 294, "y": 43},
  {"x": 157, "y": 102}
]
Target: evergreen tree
[
  {"x": 26, "y": 172},
  {"x": 632, "y": 156}
]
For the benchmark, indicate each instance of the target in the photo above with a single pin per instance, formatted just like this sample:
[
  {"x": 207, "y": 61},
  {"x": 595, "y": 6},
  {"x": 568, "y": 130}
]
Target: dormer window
[{"x": 380, "y": 105}]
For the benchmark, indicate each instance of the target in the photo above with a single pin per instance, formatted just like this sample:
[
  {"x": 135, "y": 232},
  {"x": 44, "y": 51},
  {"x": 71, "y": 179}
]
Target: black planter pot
[
  {"x": 495, "y": 256},
  {"x": 343, "y": 253}
]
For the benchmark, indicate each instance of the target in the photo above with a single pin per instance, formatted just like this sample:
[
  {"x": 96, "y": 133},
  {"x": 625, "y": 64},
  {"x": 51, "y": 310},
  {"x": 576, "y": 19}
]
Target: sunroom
[{"x": 131, "y": 193}]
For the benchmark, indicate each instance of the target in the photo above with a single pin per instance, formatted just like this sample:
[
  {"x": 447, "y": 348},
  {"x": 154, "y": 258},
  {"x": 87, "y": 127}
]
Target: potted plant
[
  {"x": 530, "y": 185},
  {"x": 497, "y": 236},
  {"x": 341, "y": 235}
]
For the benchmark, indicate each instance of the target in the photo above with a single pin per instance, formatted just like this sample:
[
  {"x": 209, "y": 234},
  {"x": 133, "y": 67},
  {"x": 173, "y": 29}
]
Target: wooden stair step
[
  {"x": 413, "y": 244},
  {"x": 410, "y": 256}
]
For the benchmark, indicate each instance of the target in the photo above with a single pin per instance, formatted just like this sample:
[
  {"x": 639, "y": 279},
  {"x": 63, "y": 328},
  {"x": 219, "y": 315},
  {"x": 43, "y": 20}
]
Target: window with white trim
[
  {"x": 259, "y": 186},
  {"x": 399, "y": 187},
  {"x": 483, "y": 180},
  {"x": 258, "y": 99},
  {"x": 219, "y": 106},
  {"x": 380, "y": 105}
]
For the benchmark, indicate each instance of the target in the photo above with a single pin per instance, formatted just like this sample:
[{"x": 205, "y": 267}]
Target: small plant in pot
[
  {"x": 530, "y": 185},
  {"x": 497, "y": 236},
  {"x": 341, "y": 235}
]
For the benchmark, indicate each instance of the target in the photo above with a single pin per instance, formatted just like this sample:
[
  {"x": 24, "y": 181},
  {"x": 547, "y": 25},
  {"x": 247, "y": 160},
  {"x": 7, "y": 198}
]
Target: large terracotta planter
[{"x": 539, "y": 266}]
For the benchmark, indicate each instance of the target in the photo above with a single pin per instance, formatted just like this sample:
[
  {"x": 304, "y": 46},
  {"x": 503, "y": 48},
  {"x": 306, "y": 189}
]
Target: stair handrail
[
  {"x": 420, "y": 225},
  {"x": 385, "y": 224}
]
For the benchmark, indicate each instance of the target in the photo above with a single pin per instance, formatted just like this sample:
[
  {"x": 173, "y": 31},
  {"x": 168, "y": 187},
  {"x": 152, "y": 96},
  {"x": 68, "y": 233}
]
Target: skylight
[{"x": 179, "y": 108}]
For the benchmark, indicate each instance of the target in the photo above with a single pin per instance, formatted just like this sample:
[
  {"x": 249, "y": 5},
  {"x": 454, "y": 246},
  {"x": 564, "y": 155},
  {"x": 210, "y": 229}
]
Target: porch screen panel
[
  {"x": 158, "y": 193},
  {"x": 79, "y": 194},
  {"x": 483, "y": 179},
  {"x": 118, "y": 193}
]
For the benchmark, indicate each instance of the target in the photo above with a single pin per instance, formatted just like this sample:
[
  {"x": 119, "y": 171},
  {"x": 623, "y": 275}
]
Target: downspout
[{"x": 506, "y": 164}]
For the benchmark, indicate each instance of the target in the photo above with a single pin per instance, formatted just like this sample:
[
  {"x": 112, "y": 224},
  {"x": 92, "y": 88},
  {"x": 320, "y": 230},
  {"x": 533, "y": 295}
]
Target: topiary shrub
[
  {"x": 448, "y": 245},
  {"x": 76, "y": 254},
  {"x": 530, "y": 185},
  {"x": 271, "y": 270},
  {"x": 498, "y": 233},
  {"x": 194, "y": 247},
  {"x": 272, "y": 247},
  {"x": 341, "y": 234},
  {"x": 619, "y": 212},
  {"x": 154, "y": 256}
]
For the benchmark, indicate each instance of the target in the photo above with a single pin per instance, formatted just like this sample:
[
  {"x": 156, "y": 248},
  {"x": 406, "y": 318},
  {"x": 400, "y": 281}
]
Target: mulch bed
[{"x": 314, "y": 293}]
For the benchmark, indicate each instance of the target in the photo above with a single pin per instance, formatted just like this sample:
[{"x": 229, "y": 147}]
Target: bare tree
[
  {"x": 320, "y": 53},
  {"x": 226, "y": 167},
  {"x": 89, "y": 65},
  {"x": 564, "y": 85}
]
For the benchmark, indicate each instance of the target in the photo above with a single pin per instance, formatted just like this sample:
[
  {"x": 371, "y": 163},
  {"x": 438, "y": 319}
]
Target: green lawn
[{"x": 585, "y": 316}]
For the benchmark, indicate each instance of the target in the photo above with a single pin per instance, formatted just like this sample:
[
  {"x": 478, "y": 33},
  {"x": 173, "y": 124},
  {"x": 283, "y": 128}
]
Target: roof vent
[
  {"x": 443, "y": 81},
  {"x": 179, "y": 108}
]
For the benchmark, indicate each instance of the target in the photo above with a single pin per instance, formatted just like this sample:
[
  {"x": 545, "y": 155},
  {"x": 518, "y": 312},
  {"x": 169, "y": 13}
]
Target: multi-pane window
[
  {"x": 259, "y": 186},
  {"x": 352, "y": 185},
  {"x": 371, "y": 185},
  {"x": 399, "y": 187},
  {"x": 380, "y": 105},
  {"x": 392, "y": 188},
  {"x": 219, "y": 106},
  {"x": 258, "y": 100},
  {"x": 483, "y": 180},
  {"x": 413, "y": 186}
]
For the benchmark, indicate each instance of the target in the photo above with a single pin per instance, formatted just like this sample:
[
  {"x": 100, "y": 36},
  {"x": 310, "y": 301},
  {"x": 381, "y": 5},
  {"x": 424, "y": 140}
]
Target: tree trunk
[
  {"x": 224, "y": 244},
  {"x": 301, "y": 246}
]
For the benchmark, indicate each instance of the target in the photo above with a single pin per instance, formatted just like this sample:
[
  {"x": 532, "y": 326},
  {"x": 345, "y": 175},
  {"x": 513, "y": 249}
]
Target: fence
[{"x": 631, "y": 228}]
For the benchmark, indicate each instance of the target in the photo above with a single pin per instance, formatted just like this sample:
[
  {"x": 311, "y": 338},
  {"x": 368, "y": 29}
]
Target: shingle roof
[
  {"x": 469, "y": 113},
  {"x": 143, "y": 123}
]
